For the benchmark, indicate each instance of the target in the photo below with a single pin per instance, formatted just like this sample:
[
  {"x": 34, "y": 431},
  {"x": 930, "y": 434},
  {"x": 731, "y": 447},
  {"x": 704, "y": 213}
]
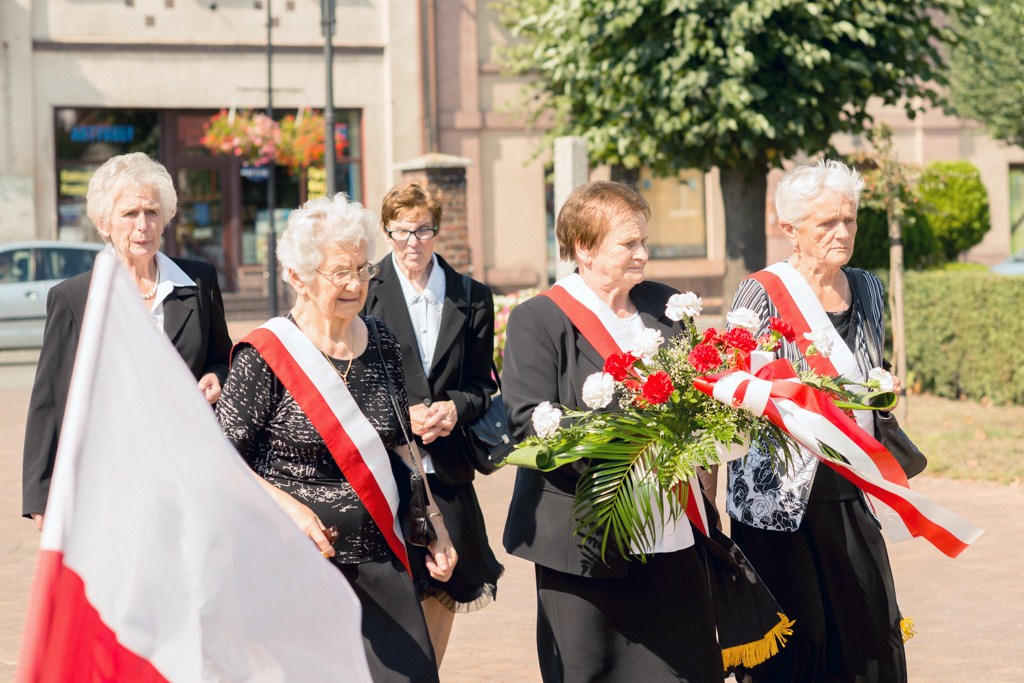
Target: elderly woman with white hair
[
  {"x": 808, "y": 530},
  {"x": 130, "y": 199},
  {"x": 315, "y": 403}
]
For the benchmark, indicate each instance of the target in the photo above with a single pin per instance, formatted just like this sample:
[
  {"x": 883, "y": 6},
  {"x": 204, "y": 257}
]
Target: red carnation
[
  {"x": 618, "y": 365},
  {"x": 782, "y": 327},
  {"x": 704, "y": 358},
  {"x": 740, "y": 338},
  {"x": 657, "y": 388},
  {"x": 712, "y": 336}
]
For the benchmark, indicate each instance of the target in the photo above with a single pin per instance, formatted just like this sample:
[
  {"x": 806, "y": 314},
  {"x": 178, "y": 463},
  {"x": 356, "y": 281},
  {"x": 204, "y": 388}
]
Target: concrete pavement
[{"x": 969, "y": 612}]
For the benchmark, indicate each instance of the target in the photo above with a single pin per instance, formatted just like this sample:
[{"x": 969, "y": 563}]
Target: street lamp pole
[
  {"x": 330, "y": 162},
  {"x": 271, "y": 180}
]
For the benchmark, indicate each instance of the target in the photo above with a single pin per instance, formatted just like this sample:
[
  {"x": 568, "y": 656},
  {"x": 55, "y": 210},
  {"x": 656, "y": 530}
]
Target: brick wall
[{"x": 445, "y": 176}]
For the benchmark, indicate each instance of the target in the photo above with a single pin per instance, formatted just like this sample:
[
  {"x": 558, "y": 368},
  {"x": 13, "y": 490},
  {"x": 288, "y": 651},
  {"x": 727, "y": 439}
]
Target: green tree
[
  {"x": 988, "y": 70},
  {"x": 672, "y": 84},
  {"x": 955, "y": 204}
]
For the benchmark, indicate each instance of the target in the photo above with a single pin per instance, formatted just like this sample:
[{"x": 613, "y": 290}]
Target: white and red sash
[
  {"x": 325, "y": 399},
  {"x": 811, "y": 418},
  {"x": 609, "y": 335}
]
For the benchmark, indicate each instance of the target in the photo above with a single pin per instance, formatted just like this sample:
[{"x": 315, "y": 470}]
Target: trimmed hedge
[{"x": 965, "y": 334}]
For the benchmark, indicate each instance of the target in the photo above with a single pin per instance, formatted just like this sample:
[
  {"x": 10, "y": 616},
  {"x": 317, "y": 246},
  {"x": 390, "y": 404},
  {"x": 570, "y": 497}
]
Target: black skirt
[
  {"x": 474, "y": 582},
  {"x": 832, "y": 576},
  {"x": 654, "y": 625},
  {"x": 395, "y": 636}
]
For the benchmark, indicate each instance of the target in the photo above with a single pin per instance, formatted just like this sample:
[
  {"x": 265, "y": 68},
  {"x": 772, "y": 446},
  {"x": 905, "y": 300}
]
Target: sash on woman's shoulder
[
  {"x": 751, "y": 626},
  {"x": 326, "y": 401},
  {"x": 610, "y": 335}
]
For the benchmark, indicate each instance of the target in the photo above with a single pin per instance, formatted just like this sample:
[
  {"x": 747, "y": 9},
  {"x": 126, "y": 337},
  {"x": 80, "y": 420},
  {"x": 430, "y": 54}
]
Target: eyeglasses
[
  {"x": 343, "y": 277},
  {"x": 422, "y": 233}
]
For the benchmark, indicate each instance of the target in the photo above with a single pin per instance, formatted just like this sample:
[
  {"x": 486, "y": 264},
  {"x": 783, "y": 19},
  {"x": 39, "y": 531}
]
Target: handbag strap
[
  {"x": 467, "y": 284},
  {"x": 874, "y": 344},
  {"x": 371, "y": 324}
]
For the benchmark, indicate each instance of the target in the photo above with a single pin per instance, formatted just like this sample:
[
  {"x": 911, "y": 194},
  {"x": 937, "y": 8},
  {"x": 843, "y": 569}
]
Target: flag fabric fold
[{"x": 161, "y": 557}]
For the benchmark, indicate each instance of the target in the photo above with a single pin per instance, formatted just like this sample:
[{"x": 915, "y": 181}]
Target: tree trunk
[
  {"x": 899, "y": 347},
  {"x": 743, "y": 193}
]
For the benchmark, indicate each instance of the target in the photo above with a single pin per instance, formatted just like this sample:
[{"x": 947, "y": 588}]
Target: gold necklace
[{"x": 342, "y": 375}]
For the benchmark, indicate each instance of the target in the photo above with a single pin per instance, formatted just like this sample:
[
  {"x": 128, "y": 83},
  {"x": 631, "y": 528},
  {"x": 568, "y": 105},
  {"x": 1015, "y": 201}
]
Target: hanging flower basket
[
  {"x": 302, "y": 141},
  {"x": 297, "y": 142},
  {"x": 250, "y": 136}
]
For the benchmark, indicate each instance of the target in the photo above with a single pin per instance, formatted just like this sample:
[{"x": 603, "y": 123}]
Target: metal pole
[
  {"x": 330, "y": 162},
  {"x": 271, "y": 180}
]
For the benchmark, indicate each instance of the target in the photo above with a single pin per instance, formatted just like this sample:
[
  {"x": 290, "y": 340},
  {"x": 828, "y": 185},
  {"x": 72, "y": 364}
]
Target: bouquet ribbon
[{"x": 811, "y": 418}]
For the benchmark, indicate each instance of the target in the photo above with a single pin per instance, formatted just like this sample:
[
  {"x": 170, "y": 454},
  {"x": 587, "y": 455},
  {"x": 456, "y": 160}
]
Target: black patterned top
[{"x": 276, "y": 439}]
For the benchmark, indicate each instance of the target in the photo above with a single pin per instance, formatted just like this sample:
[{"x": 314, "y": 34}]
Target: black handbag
[
  {"x": 414, "y": 515},
  {"x": 488, "y": 440},
  {"x": 887, "y": 428}
]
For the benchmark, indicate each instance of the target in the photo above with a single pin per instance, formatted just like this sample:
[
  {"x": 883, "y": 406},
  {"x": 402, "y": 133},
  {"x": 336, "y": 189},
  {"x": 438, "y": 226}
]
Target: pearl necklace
[{"x": 156, "y": 283}]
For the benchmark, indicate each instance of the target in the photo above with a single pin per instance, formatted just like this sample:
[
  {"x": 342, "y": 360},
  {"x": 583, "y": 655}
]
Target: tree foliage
[
  {"x": 672, "y": 84},
  {"x": 988, "y": 70},
  {"x": 741, "y": 85},
  {"x": 955, "y": 204}
]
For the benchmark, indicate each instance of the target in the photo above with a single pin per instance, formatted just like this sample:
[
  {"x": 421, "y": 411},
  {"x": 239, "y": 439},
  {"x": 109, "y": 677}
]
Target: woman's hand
[
  {"x": 443, "y": 558},
  {"x": 897, "y": 388},
  {"x": 302, "y": 515},
  {"x": 434, "y": 421},
  {"x": 209, "y": 387}
]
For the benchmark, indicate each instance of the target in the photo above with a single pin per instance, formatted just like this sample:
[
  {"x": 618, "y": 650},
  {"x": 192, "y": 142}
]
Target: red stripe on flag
[
  {"x": 337, "y": 440},
  {"x": 584, "y": 320},
  {"x": 65, "y": 637}
]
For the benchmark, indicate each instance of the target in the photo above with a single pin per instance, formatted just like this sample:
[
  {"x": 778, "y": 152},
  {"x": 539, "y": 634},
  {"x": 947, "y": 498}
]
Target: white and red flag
[{"x": 162, "y": 559}]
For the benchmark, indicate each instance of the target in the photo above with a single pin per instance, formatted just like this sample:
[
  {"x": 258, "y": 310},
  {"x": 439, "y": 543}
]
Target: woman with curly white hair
[
  {"x": 131, "y": 200},
  {"x": 308, "y": 404},
  {"x": 808, "y": 530}
]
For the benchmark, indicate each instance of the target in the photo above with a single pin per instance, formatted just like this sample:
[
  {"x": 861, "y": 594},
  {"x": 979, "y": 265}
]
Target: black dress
[
  {"x": 276, "y": 439},
  {"x": 835, "y": 582}
]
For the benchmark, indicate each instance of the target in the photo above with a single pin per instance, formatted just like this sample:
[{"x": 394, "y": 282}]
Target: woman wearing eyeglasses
[
  {"x": 447, "y": 339},
  {"x": 307, "y": 404}
]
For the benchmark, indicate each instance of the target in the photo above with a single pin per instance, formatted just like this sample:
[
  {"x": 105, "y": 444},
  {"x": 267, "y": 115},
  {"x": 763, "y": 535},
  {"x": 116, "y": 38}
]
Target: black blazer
[
  {"x": 457, "y": 347},
  {"x": 546, "y": 359},
  {"x": 193, "y": 320}
]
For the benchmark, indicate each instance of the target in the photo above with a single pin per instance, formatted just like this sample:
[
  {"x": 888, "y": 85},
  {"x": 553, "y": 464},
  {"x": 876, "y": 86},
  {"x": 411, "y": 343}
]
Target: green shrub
[
  {"x": 871, "y": 247},
  {"x": 964, "y": 332},
  {"x": 955, "y": 204}
]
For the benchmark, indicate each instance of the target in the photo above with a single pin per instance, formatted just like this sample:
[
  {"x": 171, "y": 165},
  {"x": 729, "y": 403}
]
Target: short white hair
[
  {"x": 320, "y": 223},
  {"x": 135, "y": 170},
  {"x": 804, "y": 184}
]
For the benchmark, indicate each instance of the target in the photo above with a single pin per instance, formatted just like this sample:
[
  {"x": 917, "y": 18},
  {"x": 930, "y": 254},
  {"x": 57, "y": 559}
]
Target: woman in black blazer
[
  {"x": 599, "y": 619},
  {"x": 447, "y": 343},
  {"x": 131, "y": 199}
]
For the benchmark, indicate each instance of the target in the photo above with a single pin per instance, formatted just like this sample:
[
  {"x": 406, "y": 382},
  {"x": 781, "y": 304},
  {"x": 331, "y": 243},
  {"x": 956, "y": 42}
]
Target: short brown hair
[
  {"x": 588, "y": 212},
  {"x": 409, "y": 195}
]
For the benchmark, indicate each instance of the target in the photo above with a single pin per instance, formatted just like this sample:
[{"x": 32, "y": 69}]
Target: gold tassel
[
  {"x": 752, "y": 654},
  {"x": 907, "y": 628}
]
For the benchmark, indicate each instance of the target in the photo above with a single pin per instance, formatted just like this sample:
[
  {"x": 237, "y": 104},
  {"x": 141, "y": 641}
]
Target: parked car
[
  {"x": 27, "y": 271},
  {"x": 1010, "y": 266}
]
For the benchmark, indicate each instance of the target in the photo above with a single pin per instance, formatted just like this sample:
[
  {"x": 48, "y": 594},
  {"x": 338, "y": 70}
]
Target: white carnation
[
  {"x": 745, "y": 318},
  {"x": 598, "y": 390},
  {"x": 821, "y": 342},
  {"x": 646, "y": 343},
  {"x": 546, "y": 419},
  {"x": 883, "y": 377},
  {"x": 686, "y": 305}
]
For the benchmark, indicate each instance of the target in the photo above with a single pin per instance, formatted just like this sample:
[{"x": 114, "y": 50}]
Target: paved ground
[{"x": 969, "y": 611}]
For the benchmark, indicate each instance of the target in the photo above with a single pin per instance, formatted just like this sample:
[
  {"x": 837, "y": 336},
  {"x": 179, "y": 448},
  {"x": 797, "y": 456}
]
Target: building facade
[{"x": 83, "y": 80}]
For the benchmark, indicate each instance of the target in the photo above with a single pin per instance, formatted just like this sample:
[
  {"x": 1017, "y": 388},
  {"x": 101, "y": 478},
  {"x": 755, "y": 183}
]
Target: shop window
[
  {"x": 678, "y": 226},
  {"x": 1016, "y": 208},
  {"x": 84, "y": 139}
]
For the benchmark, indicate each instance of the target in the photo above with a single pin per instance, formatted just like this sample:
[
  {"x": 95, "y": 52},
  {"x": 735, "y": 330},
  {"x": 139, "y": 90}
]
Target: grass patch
[{"x": 968, "y": 439}]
